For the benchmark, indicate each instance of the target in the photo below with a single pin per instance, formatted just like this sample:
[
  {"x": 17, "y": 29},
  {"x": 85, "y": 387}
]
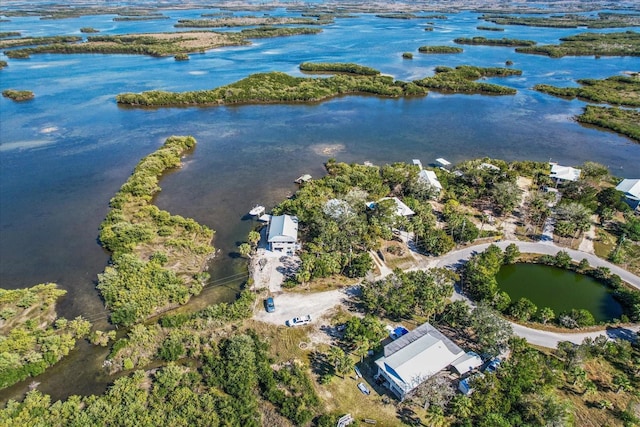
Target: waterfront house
[
  {"x": 561, "y": 173},
  {"x": 283, "y": 234},
  {"x": 415, "y": 357},
  {"x": 631, "y": 190},
  {"x": 430, "y": 178}
]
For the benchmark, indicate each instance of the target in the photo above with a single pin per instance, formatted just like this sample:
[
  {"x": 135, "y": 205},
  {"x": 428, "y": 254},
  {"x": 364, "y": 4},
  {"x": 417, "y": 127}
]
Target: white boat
[{"x": 256, "y": 210}]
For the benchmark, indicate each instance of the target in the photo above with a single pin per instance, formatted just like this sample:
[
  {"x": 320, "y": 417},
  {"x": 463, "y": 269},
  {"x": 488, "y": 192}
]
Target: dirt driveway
[{"x": 293, "y": 304}]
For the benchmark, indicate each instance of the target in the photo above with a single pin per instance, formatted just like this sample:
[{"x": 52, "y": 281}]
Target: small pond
[{"x": 559, "y": 289}]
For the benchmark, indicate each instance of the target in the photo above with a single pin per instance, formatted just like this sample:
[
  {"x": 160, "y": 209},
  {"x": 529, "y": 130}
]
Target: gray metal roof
[
  {"x": 416, "y": 334},
  {"x": 283, "y": 228}
]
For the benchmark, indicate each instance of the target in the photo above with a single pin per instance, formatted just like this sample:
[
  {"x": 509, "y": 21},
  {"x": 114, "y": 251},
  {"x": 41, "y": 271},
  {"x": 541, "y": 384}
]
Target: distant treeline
[
  {"x": 493, "y": 42},
  {"x": 440, "y": 49},
  {"x": 338, "y": 67},
  {"x": 604, "y": 20}
]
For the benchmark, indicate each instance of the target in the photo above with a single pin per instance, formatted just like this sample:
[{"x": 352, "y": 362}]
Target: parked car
[
  {"x": 363, "y": 388},
  {"x": 299, "y": 321},
  {"x": 269, "y": 305},
  {"x": 493, "y": 365}
]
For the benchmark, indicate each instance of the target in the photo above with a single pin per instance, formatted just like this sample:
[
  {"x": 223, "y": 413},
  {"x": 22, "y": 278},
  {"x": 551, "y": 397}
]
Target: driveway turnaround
[{"x": 292, "y": 304}]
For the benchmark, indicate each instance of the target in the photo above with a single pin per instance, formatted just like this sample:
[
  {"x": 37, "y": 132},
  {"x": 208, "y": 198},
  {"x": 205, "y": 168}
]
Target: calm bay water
[
  {"x": 64, "y": 154},
  {"x": 559, "y": 289}
]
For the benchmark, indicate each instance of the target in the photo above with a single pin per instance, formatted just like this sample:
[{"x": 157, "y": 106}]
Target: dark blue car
[{"x": 269, "y": 305}]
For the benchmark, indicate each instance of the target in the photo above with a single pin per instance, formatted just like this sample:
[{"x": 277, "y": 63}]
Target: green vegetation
[
  {"x": 18, "y": 95},
  {"x": 493, "y": 42},
  {"x": 3, "y": 64},
  {"x": 156, "y": 256},
  {"x": 162, "y": 44},
  {"x": 6, "y": 34},
  {"x": 440, "y": 49},
  {"x": 487, "y": 28},
  {"x": 149, "y": 17},
  {"x": 177, "y": 335},
  {"x": 276, "y": 87},
  {"x": 338, "y": 67},
  {"x": 233, "y": 382},
  {"x": 404, "y": 295},
  {"x": 148, "y": 44},
  {"x": 604, "y": 20},
  {"x": 619, "y": 120},
  {"x": 266, "y": 32},
  {"x": 461, "y": 79},
  {"x": 407, "y": 55},
  {"x": 586, "y": 44},
  {"x": 32, "y": 338},
  {"x": 397, "y": 15},
  {"x": 480, "y": 283},
  {"x": 245, "y": 21},
  {"x": 33, "y": 41},
  {"x": 617, "y": 90},
  {"x": 89, "y": 30},
  {"x": 181, "y": 57}
]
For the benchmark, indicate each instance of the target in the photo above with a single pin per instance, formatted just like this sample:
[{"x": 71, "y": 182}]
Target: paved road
[
  {"x": 535, "y": 336},
  {"x": 551, "y": 339},
  {"x": 547, "y": 248}
]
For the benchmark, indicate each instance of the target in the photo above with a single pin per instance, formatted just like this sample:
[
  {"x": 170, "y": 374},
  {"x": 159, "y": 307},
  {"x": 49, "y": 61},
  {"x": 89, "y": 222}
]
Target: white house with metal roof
[
  {"x": 283, "y": 234},
  {"x": 430, "y": 178},
  {"x": 414, "y": 357},
  {"x": 564, "y": 173},
  {"x": 631, "y": 190},
  {"x": 401, "y": 208}
]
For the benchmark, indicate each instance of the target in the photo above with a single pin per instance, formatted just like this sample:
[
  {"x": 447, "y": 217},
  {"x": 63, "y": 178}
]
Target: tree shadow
[
  {"x": 288, "y": 266},
  {"x": 408, "y": 416},
  {"x": 320, "y": 364}
]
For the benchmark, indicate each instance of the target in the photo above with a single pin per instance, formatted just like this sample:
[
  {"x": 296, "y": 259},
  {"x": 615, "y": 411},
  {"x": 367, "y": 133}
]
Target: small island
[
  {"x": 152, "y": 44},
  {"x": 7, "y": 34},
  {"x": 338, "y": 67},
  {"x": 616, "y": 90},
  {"x": 277, "y": 87},
  {"x": 587, "y": 44},
  {"x": 462, "y": 80},
  {"x": 33, "y": 41},
  {"x": 18, "y": 95},
  {"x": 487, "y": 28},
  {"x": 493, "y": 42},
  {"x": 440, "y": 49},
  {"x": 623, "y": 121},
  {"x": 603, "y": 20},
  {"x": 89, "y": 30},
  {"x": 246, "y": 21}
]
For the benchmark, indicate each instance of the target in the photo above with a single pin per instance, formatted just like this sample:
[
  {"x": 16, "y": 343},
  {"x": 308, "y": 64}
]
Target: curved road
[
  {"x": 295, "y": 304},
  {"x": 544, "y": 248},
  {"x": 536, "y": 336}
]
